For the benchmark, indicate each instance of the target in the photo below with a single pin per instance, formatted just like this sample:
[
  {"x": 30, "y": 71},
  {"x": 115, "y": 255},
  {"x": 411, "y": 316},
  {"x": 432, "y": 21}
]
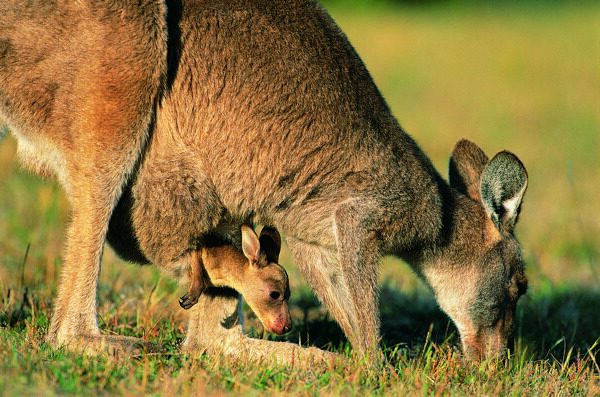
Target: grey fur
[
  {"x": 503, "y": 180},
  {"x": 214, "y": 114}
]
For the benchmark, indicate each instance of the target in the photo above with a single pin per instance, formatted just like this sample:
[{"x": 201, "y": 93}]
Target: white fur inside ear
[
  {"x": 495, "y": 188},
  {"x": 511, "y": 206}
]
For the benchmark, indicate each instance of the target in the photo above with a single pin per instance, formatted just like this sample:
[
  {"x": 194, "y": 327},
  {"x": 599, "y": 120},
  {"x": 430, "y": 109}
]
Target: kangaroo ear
[
  {"x": 467, "y": 163},
  {"x": 250, "y": 244},
  {"x": 503, "y": 186},
  {"x": 270, "y": 243}
]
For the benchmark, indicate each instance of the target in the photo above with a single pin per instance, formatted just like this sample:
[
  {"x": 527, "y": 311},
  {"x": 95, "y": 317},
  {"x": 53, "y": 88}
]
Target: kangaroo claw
[{"x": 187, "y": 301}]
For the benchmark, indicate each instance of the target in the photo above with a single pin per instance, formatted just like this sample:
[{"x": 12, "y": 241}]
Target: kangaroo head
[
  {"x": 479, "y": 275},
  {"x": 266, "y": 285}
]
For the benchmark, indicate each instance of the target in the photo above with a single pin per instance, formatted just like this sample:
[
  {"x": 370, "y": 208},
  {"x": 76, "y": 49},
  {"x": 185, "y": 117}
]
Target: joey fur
[
  {"x": 177, "y": 121},
  {"x": 255, "y": 274}
]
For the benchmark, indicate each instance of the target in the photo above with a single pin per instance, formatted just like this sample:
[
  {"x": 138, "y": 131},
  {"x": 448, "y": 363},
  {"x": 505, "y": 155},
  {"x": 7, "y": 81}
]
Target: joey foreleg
[{"x": 197, "y": 284}]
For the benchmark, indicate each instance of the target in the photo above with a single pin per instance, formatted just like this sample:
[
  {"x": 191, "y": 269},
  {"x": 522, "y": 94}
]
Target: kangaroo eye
[{"x": 274, "y": 295}]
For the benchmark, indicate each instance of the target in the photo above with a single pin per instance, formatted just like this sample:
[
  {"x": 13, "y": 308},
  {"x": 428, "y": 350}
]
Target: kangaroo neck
[
  {"x": 433, "y": 226},
  {"x": 461, "y": 222},
  {"x": 226, "y": 266}
]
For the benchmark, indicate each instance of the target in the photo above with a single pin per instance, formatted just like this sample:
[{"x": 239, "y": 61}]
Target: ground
[{"x": 521, "y": 77}]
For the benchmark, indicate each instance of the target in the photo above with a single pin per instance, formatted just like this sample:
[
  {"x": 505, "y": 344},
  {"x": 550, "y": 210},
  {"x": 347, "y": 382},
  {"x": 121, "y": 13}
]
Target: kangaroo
[
  {"x": 215, "y": 114},
  {"x": 255, "y": 274}
]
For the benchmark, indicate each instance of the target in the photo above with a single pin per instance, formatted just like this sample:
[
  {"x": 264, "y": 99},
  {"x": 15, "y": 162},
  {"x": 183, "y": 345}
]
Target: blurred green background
[{"x": 521, "y": 76}]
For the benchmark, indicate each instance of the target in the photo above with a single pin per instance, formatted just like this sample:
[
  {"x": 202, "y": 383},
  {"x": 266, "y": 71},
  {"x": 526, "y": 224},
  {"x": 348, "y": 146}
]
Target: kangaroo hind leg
[{"x": 99, "y": 125}]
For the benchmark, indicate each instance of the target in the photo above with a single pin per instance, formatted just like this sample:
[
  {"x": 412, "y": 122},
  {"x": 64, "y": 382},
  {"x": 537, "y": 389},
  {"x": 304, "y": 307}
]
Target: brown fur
[
  {"x": 251, "y": 111},
  {"x": 255, "y": 274}
]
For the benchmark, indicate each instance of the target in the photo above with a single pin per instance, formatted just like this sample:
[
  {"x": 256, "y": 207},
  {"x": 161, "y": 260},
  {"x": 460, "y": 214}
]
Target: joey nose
[{"x": 284, "y": 328}]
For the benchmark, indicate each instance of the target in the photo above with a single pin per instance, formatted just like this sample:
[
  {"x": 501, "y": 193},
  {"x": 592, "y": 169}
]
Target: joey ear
[
  {"x": 250, "y": 244},
  {"x": 467, "y": 163},
  {"x": 270, "y": 243},
  {"x": 503, "y": 185}
]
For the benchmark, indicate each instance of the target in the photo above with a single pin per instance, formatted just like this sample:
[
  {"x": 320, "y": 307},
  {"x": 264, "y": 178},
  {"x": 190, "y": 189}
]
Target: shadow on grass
[
  {"x": 550, "y": 322},
  {"x": 406, "y": 320},
  {"x": 554, "y": 321}
]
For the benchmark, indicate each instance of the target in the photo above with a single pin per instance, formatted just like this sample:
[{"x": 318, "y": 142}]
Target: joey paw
[{"x": 188, "y": 300}]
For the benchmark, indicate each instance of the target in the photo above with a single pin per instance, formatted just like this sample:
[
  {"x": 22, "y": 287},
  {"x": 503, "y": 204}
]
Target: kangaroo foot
[{"x": 110, "y": 344}]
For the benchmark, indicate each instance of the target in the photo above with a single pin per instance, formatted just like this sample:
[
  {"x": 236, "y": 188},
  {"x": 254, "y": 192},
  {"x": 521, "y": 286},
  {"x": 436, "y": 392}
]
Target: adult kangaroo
[{"x": 211, "y": 114}]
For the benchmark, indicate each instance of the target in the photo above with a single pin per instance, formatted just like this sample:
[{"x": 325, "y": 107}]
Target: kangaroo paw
[{"x": 188, "y": 300}]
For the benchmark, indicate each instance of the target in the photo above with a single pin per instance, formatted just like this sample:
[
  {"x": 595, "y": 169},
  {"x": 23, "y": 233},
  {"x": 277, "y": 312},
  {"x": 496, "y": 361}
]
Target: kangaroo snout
[
  {"x": 281, "y": 324},
  {"x": 487, "y": 344},
  {"x": 493, "y": 341},
  {"x": 278, "y": 324}
]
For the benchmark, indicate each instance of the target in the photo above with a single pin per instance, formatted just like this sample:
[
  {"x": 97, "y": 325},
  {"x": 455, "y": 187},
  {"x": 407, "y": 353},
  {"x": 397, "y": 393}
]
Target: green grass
[{"x": 523, "y": 78}]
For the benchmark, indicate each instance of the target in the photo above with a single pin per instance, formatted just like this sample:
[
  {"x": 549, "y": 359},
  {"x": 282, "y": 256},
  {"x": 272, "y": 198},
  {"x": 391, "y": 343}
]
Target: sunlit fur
[
  {"x": 254, "y": 273},
  {"x": 174, "y": 121}
]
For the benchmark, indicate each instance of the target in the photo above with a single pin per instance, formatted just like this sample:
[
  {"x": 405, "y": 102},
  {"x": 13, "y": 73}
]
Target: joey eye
[{"x": 274, "y": 295}]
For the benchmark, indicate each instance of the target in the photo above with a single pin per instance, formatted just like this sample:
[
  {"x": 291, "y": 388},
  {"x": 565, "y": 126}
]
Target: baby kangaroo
[{"x": 255, "y": 274}]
